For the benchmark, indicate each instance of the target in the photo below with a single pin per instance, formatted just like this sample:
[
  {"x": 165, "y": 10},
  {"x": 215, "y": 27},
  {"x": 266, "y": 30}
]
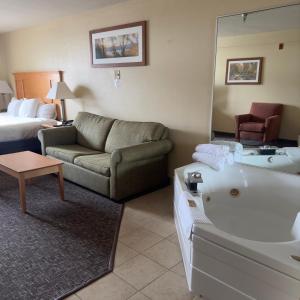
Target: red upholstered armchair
[{"x": 261, "y": 124}]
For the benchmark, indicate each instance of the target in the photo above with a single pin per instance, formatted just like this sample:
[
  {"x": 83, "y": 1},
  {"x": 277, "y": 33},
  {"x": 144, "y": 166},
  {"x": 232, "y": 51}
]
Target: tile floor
[{"x": 148, "y": 262}]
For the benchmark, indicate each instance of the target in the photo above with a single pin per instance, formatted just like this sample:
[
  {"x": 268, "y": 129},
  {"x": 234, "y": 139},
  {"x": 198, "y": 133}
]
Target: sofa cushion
[
  {"x": 69, "y": 152},
  {"x": 125, "y": 134},
  {"x": 99, "y": 163},
  {"x": 92, "y": 130},
  {"x": 254, "y": 136},
  {"x": 252, "y": 126}
]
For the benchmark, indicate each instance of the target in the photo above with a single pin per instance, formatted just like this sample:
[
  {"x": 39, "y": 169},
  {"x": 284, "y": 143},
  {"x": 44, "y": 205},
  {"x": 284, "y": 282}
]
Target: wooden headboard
[{"x": 36, "y": 85}]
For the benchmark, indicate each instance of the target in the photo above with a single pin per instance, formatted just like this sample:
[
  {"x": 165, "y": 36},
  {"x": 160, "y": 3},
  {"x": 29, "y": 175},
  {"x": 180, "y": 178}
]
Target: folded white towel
[
  {"x": 229, "y": 159},
  {"x": 216, "y": 162},
  {"x": 212, "y": 149},
  {"x": 237, "y": 156},
  {"x": 233, "y": 146}
]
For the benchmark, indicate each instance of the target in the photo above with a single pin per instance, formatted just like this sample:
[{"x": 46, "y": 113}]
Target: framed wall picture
[
  {"x": 119, "y": 46},
  {"x": 244, "y": 70}
]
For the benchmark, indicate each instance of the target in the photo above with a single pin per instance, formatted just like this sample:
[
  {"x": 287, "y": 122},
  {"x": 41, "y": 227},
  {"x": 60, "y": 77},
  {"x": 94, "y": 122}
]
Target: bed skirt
[{"x": 32, "y": 144}]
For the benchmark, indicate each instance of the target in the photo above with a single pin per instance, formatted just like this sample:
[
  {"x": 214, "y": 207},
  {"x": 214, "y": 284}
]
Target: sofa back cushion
[
  {"x": 92, "y": 130},
  {"x": 125, "y": 134}
]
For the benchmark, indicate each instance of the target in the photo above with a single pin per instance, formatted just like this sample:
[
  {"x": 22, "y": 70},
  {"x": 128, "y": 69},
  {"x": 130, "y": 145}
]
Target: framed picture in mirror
[{"x": 244, "y": 70}]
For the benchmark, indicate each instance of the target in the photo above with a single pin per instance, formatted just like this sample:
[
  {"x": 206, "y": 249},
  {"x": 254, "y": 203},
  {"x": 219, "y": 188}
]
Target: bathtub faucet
[
  {"x": 193, "y": 179},
  {"x": 197, "y": 177}
]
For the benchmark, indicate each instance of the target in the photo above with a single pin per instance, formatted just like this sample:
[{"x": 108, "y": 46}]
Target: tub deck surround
[
  {"x": 281, "y": 163},
  {"x": 246, "y": 250},
  {"x": 285, "y": 160}
]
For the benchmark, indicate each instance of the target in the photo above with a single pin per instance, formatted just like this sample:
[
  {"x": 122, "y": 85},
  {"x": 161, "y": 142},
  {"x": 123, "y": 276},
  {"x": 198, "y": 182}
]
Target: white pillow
[
  {"x": 28, "y": 108},
  {"x": 47, "y": 111},
  {"x": 14, "y": 107}
]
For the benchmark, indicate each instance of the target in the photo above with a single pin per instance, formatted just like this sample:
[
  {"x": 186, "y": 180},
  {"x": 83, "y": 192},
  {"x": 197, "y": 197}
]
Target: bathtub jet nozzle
[
  {"x": 234, "y": 192},
  {"x": 295, "y": 257}
]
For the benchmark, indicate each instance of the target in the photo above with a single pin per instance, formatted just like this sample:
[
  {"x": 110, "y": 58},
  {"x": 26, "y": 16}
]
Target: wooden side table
[
  {"x": 47, "y": 126},
  {"x": 59, "y": 124},
  {"x": 26, "y": 165}
]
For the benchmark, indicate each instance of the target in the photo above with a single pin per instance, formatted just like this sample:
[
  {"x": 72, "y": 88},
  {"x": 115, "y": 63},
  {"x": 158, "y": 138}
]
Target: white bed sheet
[{"x": 17, "y": 128}]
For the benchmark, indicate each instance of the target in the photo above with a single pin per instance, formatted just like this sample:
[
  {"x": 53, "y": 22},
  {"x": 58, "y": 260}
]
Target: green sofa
[{"x": 115, "y": 158}]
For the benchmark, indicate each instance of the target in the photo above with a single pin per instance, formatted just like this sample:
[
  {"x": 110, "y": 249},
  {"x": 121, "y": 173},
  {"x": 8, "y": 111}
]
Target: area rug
[{"x": 59, "y": 246}]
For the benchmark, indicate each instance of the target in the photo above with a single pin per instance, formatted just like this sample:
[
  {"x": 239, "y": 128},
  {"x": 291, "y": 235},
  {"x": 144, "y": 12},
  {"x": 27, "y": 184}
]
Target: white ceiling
[
  {"x": 277, "y": 19},
  {"x": 16, "y": 14}
]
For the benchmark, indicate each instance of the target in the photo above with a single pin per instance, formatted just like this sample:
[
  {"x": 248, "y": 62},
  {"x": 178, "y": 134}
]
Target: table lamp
[
  {"x": 60, "y": 90},
  {"x": 4, "y": 89}
]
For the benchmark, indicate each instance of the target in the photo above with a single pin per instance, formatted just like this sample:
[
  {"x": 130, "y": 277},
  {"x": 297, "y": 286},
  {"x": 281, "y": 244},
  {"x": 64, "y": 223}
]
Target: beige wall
[
  {"x": 174, "y": 89},
  {"x": 281, "y": 79},
  {"x": 3, "y": 71},
  {"x": 4, "y": 99}
]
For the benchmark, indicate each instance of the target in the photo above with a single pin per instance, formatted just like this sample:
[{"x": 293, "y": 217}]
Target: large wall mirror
[{"x": 256, "y": 96}]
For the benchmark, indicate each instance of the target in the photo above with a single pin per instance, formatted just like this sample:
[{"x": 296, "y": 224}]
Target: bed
[{"x": 20, "y": 134}]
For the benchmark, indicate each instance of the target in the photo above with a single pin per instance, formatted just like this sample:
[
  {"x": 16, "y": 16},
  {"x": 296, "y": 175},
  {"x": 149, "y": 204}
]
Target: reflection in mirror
[{"x": 257, "y": 86}]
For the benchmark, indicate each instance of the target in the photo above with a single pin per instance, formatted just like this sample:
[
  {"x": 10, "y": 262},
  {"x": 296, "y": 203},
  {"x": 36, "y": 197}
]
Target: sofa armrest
[
  {"x": 141, "y": 151},
  {"x": 57, "y": 136},
  {"x": 272, "y": 121},
  {"x": 243, "y": 118},
  {"x": 139, "y": 168},
  {"x": 272, "y": 125},
  {"x": 238, "y": 120}
]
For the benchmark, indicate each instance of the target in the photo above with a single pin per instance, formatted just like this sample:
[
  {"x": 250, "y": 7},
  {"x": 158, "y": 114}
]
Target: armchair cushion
[
  {"x": 92, "y": 130},
  {"x": 252, "y": 126},
  {"x": 124, "y": 134},
  {"x": 69, "y": 152},
  {"x": 99, "y": 163}
]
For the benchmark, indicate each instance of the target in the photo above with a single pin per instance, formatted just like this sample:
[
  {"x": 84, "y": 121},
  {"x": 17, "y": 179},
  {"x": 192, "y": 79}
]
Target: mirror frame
[{"x": 215, "y": 52}]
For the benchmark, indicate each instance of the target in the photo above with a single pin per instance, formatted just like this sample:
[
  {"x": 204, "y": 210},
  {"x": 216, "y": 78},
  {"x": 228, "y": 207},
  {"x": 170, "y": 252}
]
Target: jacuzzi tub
[
  {"x": 238, "y": 240},
  {"x": 286, "y": 160}
]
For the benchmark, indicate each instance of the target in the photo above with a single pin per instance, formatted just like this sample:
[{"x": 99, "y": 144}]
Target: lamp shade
[
  {"x": 60, "y": 90},
  {"x": 4, "y": 88}
]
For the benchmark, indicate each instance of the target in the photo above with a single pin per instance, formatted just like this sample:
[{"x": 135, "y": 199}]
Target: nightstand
[
  {"x": 58, "y": 124},
  {"x": 47, "y": 125}
]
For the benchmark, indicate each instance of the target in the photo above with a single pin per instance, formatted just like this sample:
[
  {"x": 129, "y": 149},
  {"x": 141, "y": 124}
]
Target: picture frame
[
  {"x": 244, "y": 70},
  {"x": 119, "y": 46}
]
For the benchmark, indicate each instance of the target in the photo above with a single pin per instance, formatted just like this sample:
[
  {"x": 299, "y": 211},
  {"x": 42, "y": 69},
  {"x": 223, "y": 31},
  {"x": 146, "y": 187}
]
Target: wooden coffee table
[{"x": 26, "y": 165}]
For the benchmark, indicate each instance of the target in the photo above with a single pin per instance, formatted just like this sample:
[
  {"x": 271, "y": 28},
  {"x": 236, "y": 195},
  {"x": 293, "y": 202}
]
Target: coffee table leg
[
  {"x": 22, "y": 193},
  {"x": 61, "y": 182}
]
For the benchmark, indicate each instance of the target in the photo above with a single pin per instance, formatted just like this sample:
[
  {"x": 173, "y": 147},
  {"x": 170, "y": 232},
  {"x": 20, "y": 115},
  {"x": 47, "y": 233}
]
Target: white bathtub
[
  {"x": 245, "y": 253},
  {"x": 288, "y": 160}
]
